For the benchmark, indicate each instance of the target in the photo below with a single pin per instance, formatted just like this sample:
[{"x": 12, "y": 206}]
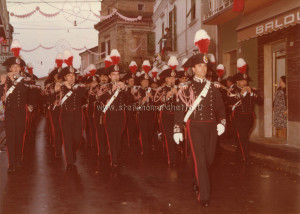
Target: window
[
  {"x": 173, "y": 27},
  {"x": 162, "y": 35},
  {"x": 150, "y": 44},
  {"x": 140, "y": 7},
  {"x": 102, "y": 50},
  {"x": 192, "y": 11},
  {"x": 107, "y": 48}
]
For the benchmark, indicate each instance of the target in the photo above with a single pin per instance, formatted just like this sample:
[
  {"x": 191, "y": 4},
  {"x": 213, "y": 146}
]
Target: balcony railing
[{"x": 217, "y": 6}]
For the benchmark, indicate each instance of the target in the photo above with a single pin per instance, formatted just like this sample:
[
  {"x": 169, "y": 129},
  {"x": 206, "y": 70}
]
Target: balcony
[{"x": 220, "y": 11}]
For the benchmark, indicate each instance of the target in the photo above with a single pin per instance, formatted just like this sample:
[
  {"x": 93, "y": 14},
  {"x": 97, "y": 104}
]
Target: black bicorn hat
[
  {"x": 196, "y": 59},
  {"x": 102, "y": 71},
  {"x": 91, "y": 79},
  {"x": 115, "y": 68},
  {"x": 128, "y": 76},
  {"x": 241, "y": 76},
  {"x": 14, "y": 60},
  {"x": 168, "y": 73},
  {"x": 140, "y": 76},
  {"x": 182, "y": 73},
  {"x": 65, "y": 71},
  {"x": 53, "y": 73}
]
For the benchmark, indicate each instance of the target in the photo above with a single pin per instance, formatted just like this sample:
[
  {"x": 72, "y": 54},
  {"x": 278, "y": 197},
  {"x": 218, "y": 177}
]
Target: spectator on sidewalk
[{"x": 280, "y": 109}]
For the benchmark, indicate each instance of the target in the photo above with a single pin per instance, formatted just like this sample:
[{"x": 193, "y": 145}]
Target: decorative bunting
[
  {"x": 49, "y": 15},
  {"x": 115, "y": 12},
  {"x": 33, "y": 12},
  {"x": 76, "y": 49}
]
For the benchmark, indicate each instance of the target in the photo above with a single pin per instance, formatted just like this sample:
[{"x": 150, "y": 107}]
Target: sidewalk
[{"x": 268, "y": 152}]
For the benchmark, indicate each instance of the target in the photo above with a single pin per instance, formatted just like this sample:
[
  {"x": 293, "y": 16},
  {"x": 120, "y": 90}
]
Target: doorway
[
  {"x": 279, "y": 70},
  {"x": 274, "y": 68},
  {"x": 229, "y": 60}
]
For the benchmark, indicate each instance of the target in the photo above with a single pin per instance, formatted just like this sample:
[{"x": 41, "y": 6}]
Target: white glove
[
  {"x": 30, "y": 108},
  {"x": 178, "y": 137},
  {"x": 220, "y": 129}
]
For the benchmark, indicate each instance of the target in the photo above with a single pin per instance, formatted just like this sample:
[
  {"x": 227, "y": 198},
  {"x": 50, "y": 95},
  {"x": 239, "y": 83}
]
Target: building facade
[
  {"x": 266, "y": 34},
  {"x": 133, "y": 39},
  {"x": 6, "y": 31},
  {"x": 90, "y": 56},
  {"x": 184, "y": 19}
]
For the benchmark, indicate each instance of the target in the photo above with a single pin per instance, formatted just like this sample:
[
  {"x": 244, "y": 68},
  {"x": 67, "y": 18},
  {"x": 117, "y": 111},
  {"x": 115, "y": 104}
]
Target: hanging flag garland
[
  {"x": 49, "y": 15},
  {"x": 33, "y": 12},
  {"x": 115, "y": 12},
  {"x": 76, "y": 49}
]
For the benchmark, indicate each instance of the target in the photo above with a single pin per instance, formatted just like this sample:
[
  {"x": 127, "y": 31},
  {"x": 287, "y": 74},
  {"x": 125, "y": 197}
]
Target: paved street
[{"x": 140, "y": 185}]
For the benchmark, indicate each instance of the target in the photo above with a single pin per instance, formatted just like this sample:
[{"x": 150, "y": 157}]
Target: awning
[{"x": 277, "y": 16}]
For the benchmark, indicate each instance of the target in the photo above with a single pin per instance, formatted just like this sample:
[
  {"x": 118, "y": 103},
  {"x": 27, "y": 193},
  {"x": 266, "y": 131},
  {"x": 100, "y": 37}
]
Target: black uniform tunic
[
  {"x": 168, "y": 105},
  {"x": 146, "y": 121},
  {"x": 91, "y": 134},
  {"x": 243, "y": 117},
  {"x": 114, "y": 120},
  {"x": 15, "y": 119},
  {"x": 71, "y": 121},
  {"x": 202, "y": 130},
  {"x": 131, "y": 126},
  {"x": 54, "y": 101},
  {"x": 99, "y": 122}
]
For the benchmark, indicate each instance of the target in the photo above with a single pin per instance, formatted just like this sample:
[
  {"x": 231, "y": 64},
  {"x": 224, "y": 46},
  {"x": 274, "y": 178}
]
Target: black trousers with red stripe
[
  {"x": 146, "y": 124},
  {"x": 55, "y": 114},
  {"x": 168, "y": 126},
  {"x": 203, "y": 140},
  {"x": 15, "y": 122},
  {"x": 101, "y": 134},
  {"x": 91, "y": 133},
  {"x": 114, "y": 124},
  {"x": 131, "y": 127},
  {"x": 71, "y": 124},
  {"x": 243, "y": 123}
]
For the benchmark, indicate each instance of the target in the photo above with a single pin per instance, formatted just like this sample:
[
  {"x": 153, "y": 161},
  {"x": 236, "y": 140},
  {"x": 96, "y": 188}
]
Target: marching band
[{"x": 107, "y": 104}]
